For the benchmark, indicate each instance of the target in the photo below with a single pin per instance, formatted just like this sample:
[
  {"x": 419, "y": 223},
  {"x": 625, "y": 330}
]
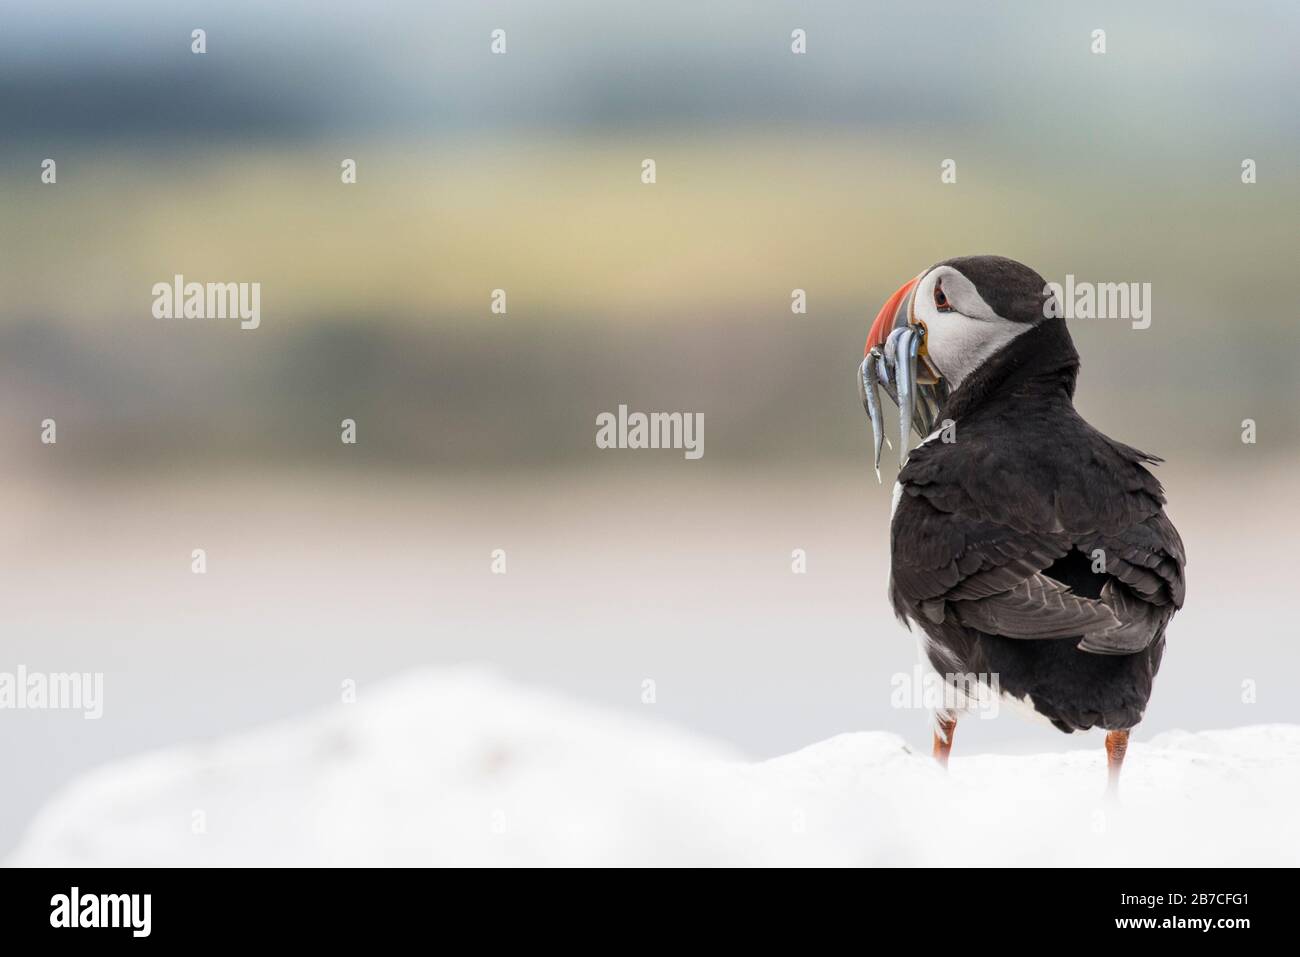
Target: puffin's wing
[
  {"x": 1148, "y": 558},
  {"x": 1038, "y": 607},
  {"x": 941, "y": 556},
  {"x": 1145, "y": 564},
  {"x": 991, "y": 577}
]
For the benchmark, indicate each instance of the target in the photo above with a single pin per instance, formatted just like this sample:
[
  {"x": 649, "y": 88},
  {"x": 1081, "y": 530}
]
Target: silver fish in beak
[
  {"x": 868, "y": 390},
  {"x": 897, "y": 358}
]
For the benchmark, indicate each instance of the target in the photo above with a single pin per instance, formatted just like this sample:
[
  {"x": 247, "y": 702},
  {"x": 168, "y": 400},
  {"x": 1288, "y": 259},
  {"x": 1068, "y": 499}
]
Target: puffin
[{"x": 1031, "y": 551}]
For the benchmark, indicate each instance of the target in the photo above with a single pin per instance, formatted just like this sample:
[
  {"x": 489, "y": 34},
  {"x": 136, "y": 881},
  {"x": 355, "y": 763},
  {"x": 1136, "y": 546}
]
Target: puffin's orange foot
[
  {"x": 1116, "y": 745},
  {"x": 945, "y": 725}
]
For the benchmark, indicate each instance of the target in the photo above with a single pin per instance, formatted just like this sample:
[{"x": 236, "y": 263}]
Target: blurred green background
[{"x": 521, "y": 172}]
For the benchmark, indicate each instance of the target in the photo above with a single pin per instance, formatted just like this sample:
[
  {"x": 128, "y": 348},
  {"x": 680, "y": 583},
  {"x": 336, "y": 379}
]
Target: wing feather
[
  {"x": 968, "y": 549},
  {"x": 1037, "y": 607}
]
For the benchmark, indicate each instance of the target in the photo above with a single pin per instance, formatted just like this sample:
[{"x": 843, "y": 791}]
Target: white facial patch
[{"x": 961, "y": 340}]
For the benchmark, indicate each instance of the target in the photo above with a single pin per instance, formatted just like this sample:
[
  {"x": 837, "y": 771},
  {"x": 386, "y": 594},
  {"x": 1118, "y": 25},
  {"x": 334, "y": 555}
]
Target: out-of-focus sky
[{"x": 476, "y": 431}]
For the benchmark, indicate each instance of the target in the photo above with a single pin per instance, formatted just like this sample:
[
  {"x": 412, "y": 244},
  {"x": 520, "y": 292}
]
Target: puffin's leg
[
  {"x": 1116, "y": 745},
  {"x": 945, "y": 724}
]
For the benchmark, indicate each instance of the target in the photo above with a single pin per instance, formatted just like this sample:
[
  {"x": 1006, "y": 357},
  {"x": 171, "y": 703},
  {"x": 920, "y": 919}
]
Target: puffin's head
[
  {"x": 940, "y": 327},
  {"x": 970, "y": 308}
]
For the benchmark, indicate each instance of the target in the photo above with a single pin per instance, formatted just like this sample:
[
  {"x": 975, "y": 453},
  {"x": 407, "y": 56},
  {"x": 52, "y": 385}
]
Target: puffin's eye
[{"x": 940, "y": 300}]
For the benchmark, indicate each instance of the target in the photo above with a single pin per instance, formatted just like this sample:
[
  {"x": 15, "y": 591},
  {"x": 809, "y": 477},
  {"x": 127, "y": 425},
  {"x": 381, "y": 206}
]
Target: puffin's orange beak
[{"x": 888, "y": 315}]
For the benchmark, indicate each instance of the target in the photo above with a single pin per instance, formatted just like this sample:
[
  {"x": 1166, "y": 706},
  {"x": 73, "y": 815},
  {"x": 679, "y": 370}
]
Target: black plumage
[{"x": 996, "y": 534}]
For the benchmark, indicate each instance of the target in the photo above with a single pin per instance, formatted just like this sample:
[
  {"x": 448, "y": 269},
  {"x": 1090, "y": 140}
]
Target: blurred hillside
[
  {"x": 375, "y": 298},
  {"x": 520, "y": 172}
]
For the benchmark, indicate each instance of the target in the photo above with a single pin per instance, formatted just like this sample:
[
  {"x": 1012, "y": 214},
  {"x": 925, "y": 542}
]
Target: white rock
[{"x": 463, "y": 768}]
